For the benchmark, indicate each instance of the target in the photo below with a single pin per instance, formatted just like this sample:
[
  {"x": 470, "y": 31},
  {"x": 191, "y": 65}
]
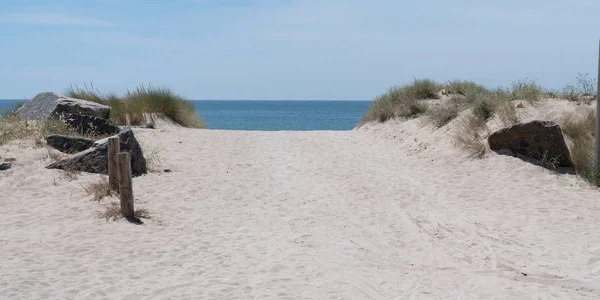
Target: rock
[
  {"x": 542, "y": 140},
  {"x": 95, "y": 159},
  {"x": 86, "y": 124},
  {"x": 68, "y": 144},
  {"x": 49, "y": 104},
  {"x": 5, "y": 166}
]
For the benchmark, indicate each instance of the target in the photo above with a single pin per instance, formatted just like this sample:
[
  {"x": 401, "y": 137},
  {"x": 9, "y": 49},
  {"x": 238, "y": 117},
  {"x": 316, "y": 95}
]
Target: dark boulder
[
  {"x": 95, "y": 159},
  {"x": 542, "y": 140},
  {"x": 5, "y": 166},
  {"x": 68, "y": 144},
  {"x": 49, "y": 104},
  {"x": 86, "y": 124}
]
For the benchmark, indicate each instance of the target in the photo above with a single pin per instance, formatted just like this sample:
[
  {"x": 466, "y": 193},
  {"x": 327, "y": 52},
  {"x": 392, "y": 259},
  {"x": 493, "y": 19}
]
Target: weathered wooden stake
[
  {"x": 125, "y": 186},
  {"x": 113, "y": 170}
]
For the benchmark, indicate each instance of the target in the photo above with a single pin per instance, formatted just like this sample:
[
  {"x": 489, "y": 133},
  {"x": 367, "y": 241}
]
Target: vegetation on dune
[
  {"x": 481, "y": 105},
  {"x": 584, "y": 89},
  {"x": 402, "y": 101},
  {"x": 423, "y": 89},
  {"x": 135, "y": 106},
  {"x": 13, "y": 127},
  {"x": 441, "y": 115},
  {"x": 526, "y": 90},
  {"x": 580, "y": 130},
  {"x": 465, "y": 87}
]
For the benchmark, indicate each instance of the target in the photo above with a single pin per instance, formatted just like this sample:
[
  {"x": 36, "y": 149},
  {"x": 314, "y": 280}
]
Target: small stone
[{"x": 167, "y": 170}]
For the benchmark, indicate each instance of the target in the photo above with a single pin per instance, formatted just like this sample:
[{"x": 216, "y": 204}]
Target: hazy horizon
[{"x": 291, "y": 50}]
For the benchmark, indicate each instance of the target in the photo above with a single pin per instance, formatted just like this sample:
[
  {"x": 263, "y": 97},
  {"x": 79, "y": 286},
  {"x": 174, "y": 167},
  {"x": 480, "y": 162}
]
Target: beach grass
[
  {"x": 13, "y": 127},
  {"x": 580, "y": 129},
  {"x": 402, "y": 101},
  {"x": 465, "y": 87},
  {"x": 441, "y": 115},
  {"x": 136, "y": 106},
  {"x": 526, "y": 89}
]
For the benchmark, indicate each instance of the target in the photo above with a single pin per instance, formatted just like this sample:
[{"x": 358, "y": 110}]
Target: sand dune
[{"x": 302, "y": 215}]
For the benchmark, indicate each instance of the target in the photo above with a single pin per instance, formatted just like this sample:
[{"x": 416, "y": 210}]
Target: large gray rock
[
  {"x": 85, "y": 124},
  {"x": 68, "y": 144},
  {"x": 49, "y": 104},
  {"x": 542, "y": 140},
  {"x": 95, "y": 159}
]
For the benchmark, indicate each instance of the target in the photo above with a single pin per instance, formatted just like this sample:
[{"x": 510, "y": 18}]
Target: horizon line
[{"x": 10, "y": 99}]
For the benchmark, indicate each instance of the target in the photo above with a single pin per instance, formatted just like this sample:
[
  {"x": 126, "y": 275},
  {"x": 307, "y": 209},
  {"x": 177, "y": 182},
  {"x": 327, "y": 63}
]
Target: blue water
[{"x": 273, "y": 115}]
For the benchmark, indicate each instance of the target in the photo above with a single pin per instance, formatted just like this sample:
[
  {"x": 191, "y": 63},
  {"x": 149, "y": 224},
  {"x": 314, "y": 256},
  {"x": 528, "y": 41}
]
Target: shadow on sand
[
  {"x": 525, "y": 158},
  {"x": 134, "y": 220}
]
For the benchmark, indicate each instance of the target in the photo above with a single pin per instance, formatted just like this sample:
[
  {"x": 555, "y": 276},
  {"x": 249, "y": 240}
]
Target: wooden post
[
  {"x": 113, "y": 171},
  {"x": 125, "y": 186},
  {"x": 597, "y": 135}
]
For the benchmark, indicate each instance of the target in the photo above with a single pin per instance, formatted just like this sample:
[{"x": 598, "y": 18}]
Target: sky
[{"x": 291, "y": 49}]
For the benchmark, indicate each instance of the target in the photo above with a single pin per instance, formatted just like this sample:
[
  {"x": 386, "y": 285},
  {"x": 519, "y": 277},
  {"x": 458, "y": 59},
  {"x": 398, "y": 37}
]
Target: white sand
[{"x": 303, "y": 215}]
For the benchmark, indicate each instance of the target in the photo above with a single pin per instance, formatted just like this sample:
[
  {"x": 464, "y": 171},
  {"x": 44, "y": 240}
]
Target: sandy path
[{"x": 303, "y": 215}]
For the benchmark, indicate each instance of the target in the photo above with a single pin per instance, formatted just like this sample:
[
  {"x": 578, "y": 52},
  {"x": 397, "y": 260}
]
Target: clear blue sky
[{"x": 291, "y": 49}]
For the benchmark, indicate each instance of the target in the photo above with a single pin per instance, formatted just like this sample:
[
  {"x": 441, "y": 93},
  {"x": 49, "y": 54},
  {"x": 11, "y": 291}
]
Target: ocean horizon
[{"x": 271, "y": 115}]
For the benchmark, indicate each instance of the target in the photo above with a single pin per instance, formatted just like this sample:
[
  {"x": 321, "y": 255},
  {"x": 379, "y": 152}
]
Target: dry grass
[
  {"x": 507, "y": 113},
  {"x": 69, "y": 175},
  {"x": 112, "y": 211},
  {"x": 584, "y": 89},
  {"x": 100, "y": 189},
  {"x": 152, "y": 159},
  {"x": 16, "y": 128},
  {"x": 484, "y": 108},
  {"x": 465, "y": 87},
  {"x": 54, "y": 155},
  {"x": 396, "y": 103},
  {"x": 423, "y": 89},
  {"x": 441, "y": 115},
  {"x": 402, "y": 102},
  {"x": 580, "y": 130},
  {"x": 468, "y": 136},
  {"x": 131, "y": 108},
  {"x": 579, "y": 127},
  {"x": 526, "y": 89}
]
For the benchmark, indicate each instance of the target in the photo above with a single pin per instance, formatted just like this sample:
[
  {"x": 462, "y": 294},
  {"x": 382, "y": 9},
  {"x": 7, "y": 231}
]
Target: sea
[{"x": 270, "y": 115}]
